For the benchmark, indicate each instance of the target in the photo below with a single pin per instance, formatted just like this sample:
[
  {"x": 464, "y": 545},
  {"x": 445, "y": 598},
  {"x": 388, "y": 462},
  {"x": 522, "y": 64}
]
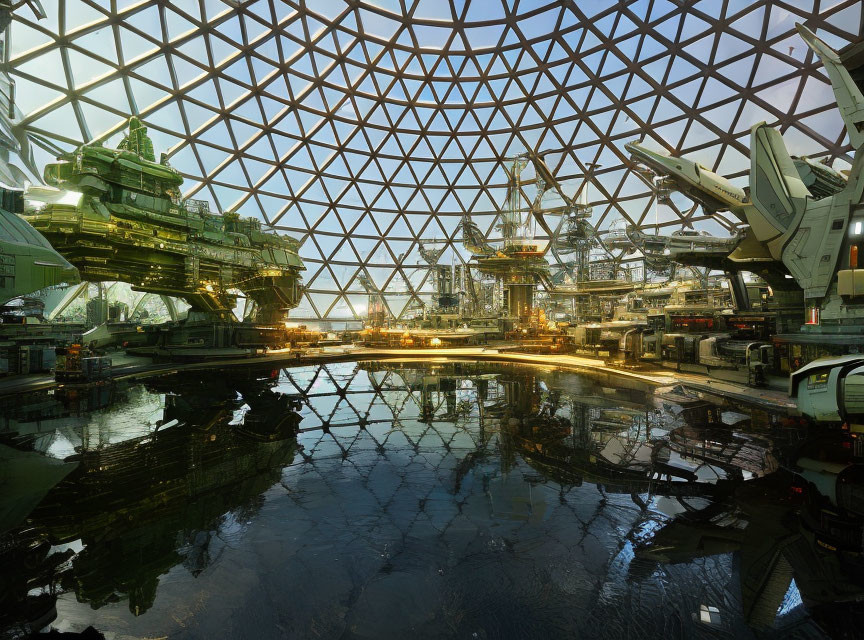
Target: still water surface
[{"x": 457, "y": 500}]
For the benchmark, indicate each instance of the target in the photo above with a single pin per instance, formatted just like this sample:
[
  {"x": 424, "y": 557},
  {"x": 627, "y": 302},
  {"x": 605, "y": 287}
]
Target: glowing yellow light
[{"x": 435, "y": 342}]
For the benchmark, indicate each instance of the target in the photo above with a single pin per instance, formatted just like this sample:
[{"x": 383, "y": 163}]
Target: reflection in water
[
  {"x": 466, "y": 500},
  {"x": 137, "y": 505}
]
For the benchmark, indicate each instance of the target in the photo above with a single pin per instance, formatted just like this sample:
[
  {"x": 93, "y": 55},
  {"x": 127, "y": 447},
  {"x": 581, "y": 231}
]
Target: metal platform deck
[{"x": 126, "y": 367}]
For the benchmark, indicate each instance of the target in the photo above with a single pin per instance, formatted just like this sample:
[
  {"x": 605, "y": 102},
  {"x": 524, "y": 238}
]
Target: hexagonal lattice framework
[{"x": 364, "y": 126}]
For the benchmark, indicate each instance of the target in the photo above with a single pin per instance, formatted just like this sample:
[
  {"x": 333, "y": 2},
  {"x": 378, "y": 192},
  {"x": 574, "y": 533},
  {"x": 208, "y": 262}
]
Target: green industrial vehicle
[{"x": 122, "y": 218}]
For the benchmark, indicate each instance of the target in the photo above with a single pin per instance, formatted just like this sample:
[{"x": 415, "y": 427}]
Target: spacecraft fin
[
  {"x": 776, "y": 187},
  {"x": 850, "y": 101}
]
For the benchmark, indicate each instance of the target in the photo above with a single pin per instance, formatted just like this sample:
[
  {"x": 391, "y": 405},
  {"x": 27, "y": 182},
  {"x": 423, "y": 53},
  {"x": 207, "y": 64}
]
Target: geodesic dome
[{"x": 363, "y": 127}]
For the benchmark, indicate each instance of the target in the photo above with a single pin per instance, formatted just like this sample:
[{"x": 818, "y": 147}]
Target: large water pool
[{"x": 369, "y": 500}]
